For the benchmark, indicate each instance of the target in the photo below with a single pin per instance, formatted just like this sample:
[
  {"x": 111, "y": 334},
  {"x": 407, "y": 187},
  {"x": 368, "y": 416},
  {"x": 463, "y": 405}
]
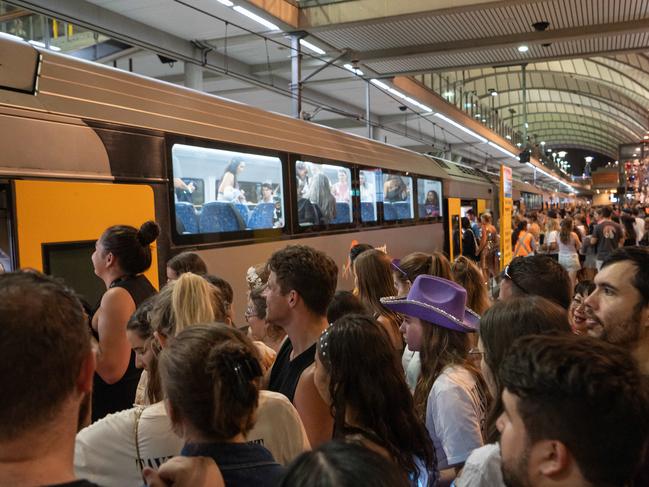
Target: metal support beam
[
  {"x": 296, "y": 75},
  {"x": 368, "y": 113},
  {"x": 524, "y": 86},
  {"x": 193, "y": 76}
]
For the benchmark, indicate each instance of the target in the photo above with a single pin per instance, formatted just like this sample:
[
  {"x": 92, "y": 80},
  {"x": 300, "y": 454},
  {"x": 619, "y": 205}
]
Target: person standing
[
  {"x": 301, "y": 284},
  {"x": 121, "y": 255},
  {"x": 607, "y": 235}
]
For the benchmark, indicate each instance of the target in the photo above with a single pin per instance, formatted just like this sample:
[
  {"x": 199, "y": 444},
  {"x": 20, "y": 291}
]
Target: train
[{"x": 86, "y": 146}]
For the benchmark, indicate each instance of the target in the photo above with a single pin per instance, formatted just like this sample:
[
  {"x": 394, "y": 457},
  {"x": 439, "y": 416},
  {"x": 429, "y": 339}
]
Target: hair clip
[{"x": 253, "y": 278}]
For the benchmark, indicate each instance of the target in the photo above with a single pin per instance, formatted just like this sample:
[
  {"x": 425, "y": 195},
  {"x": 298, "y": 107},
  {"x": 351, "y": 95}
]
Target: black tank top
[
  {"x": 286, "y": 373},
  {"x": 110, "y": 398}
]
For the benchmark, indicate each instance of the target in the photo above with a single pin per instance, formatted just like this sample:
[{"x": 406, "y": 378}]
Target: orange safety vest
[{"x": 524, "y": 245}]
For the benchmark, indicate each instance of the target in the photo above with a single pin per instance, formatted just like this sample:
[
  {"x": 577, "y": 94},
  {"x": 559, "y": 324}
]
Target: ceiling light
[
  {"x": 227, "y": 3},
  {"x": 484, "y": 120},
  {"x": 461, "y": 127},
  {"x": 255, "y": 17},
  {"x": 508, "y": 137},
  {"x": 311, "y": 47},
  {"x": 637, "y": 149},
  {"x": 380, "y": 84},
  {"x": 523, "y": 48},
  {"x": 493, "y": 92},
  {"x": 448, "y": 94},
  {"x": 518, "y": 144},
  {"x": 562, "y": 153},
  {"x": 477, "y": 115},
  {"x": 543, "y": 142},
  {"x": 468, "y": 105},
  {"x": 504, "y": 151},
  {"x": 589, "y": 159},
  {"x": 55, "y": 48},
  {"x": 646, "y": 137},
  {"x": 354, "y": 70}
]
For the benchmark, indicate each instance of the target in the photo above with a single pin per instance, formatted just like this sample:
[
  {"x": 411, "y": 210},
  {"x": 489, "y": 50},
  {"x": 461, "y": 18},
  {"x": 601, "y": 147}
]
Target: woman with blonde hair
[{"x": 373, "y": 279}]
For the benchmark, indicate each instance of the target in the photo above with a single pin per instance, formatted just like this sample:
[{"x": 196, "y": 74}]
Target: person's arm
[
  {"x": 578, "y": 240},
  {"x": 185, "y": 472},
  {"x": 114, "y": 352},
  {"x": 314, "y": 412}
]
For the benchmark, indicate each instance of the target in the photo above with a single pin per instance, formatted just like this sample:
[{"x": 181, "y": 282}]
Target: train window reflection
[
  {"x": 323, "y": 194},
  {"x": 429, "y": 198},
  {"x": 226, "y": 191},
  {"x": 397, "y": 197},
  {"x": 369, "y": 181}
]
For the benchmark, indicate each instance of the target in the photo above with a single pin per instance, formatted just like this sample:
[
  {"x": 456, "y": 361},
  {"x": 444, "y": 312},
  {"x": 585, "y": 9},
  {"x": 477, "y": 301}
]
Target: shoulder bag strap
[{"x": 139, "y": 461}]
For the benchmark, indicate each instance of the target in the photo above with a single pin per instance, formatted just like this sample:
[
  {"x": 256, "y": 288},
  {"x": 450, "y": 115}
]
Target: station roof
[{"x": 587, "y": 69}]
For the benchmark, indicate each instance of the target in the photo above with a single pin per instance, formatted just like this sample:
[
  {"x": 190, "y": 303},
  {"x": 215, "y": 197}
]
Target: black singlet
[
  {"x": 286, "y": 373},
  {"x": 110, "y": 398}
]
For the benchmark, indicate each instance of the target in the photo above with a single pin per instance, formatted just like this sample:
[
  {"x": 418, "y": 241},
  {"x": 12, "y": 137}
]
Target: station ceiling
[{"x": 586, "y": 69}]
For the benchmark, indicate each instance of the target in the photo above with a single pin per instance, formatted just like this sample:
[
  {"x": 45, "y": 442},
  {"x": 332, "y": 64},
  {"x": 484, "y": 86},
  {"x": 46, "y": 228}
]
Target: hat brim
[{"x": 433, "y": 314}]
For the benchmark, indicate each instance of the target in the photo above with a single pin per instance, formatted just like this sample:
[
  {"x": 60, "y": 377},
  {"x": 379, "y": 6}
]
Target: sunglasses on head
[
  {"x": 395, "y": 266},
  {"x": 508, "y": 276}
]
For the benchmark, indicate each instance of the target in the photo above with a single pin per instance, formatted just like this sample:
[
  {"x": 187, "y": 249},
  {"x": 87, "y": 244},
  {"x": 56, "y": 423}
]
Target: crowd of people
[{"x": 416, "y": 377}]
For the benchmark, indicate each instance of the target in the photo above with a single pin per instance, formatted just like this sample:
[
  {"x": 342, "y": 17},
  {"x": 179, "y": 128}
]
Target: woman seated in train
[
  {"x": 340, "y": 189},
  {"x": 431, "y": 203},
  {"x": 379, "y": 415},
  {"x": 121, "y": 255},
  {"x": 229, "y": 186},
  {"x": 210, "y": 374},
  {"x": 321, "y": 196},
  {"x": 394, "y": 189}
]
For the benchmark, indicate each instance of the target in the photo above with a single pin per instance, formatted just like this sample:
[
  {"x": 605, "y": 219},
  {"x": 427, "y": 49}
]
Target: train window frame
[
  {"x": 305, "y": 230},
  {"x": 400, "y": 221},
  {"x": 431, "y": 219},
  {"x": 235, "y": 237},
  {"x": 378, "y": 201}
]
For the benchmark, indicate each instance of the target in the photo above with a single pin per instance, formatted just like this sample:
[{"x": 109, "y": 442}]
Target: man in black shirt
[{"x": 301, "y": 284}]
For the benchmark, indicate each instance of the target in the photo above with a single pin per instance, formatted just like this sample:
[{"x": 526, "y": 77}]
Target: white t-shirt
[
  {"x": 482, "y": 468},
  {"x": 412, "y": 368},
  {"x": 455, "y": 412},
  {"x": 639, "y": 227},
  {"x": 105, "y": 451},
  {"x": 279, "y": 427},
  {"x": 552, "y": 237}
]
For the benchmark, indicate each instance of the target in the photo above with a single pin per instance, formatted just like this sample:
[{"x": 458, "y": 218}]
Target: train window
[
  {"x": 429, "y": 198},
  {"x": 369, "y": 181},
  {"x": 397, "y": 197},
  {"x": 237, "y": 191},
  {"x": 323, "y": 194}
]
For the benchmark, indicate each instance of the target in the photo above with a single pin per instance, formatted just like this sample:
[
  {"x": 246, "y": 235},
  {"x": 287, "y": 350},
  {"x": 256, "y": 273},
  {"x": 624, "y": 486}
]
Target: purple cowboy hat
[{"x": 438, "y": 301}]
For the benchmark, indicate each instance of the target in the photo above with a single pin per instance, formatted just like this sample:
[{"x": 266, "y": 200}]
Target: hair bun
[{"x": 148, "y": 232}]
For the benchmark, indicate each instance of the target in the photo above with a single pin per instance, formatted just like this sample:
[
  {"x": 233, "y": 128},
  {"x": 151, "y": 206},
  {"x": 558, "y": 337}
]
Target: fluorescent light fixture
[
  {"x": 543, "y": 142},
  {"x": 416, "y": 103},
  {"x": 55, "y": 48},
  {"x": 354, "y": 70},
  {"x": 508, "y": 137},
  {"x": 227, "y": 3},
  {"x": 646, "y": 137},
  {"x": 523, "y": 48},
  {"x": 311, "y": 47},
  {"x": 527, "y": 125},
  {"x": 448, "y": 94},
  {"x": 380, "y": 84},
  {"x": 255, "y": 17},
  {"x": 550, "y": 175},
  {"x": 504, "y": 151},
  {"x": 494, "y": 93},
  {"x": 37, "y": 43},
  {"x": 461, "y": 127}
]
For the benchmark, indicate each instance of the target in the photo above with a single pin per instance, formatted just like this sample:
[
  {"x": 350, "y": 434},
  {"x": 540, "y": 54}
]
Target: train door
[
  {"x": 57, "y": 224},
  {"x": 454, "y": 240}
]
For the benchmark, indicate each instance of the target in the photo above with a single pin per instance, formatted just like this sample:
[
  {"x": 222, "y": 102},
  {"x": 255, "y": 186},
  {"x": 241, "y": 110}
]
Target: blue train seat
[
  {"x": 262, "y": 216},
  {"x": 220, "y": 216},
  {"x": 367, "y": 212},
  {"x": 389, "y": 213},
  {"x": 343, "y": 214},
  {"x": 186, "y": 215},
  {"x": 402, "y": 210}
]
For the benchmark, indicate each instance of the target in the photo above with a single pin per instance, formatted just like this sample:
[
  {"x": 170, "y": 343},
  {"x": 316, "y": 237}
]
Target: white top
[
  {"x": 279, "y": 427},
  {"x": 455, "y": 412},
  {"x": 411, "y": 367},
  {"x": 570, "y": 248},
  {"x": 482, "y": 468},
  {"x": 639, "y": 227},
  {"x": 105, "y": 451},
  {"x": 552, "y": 237}
]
